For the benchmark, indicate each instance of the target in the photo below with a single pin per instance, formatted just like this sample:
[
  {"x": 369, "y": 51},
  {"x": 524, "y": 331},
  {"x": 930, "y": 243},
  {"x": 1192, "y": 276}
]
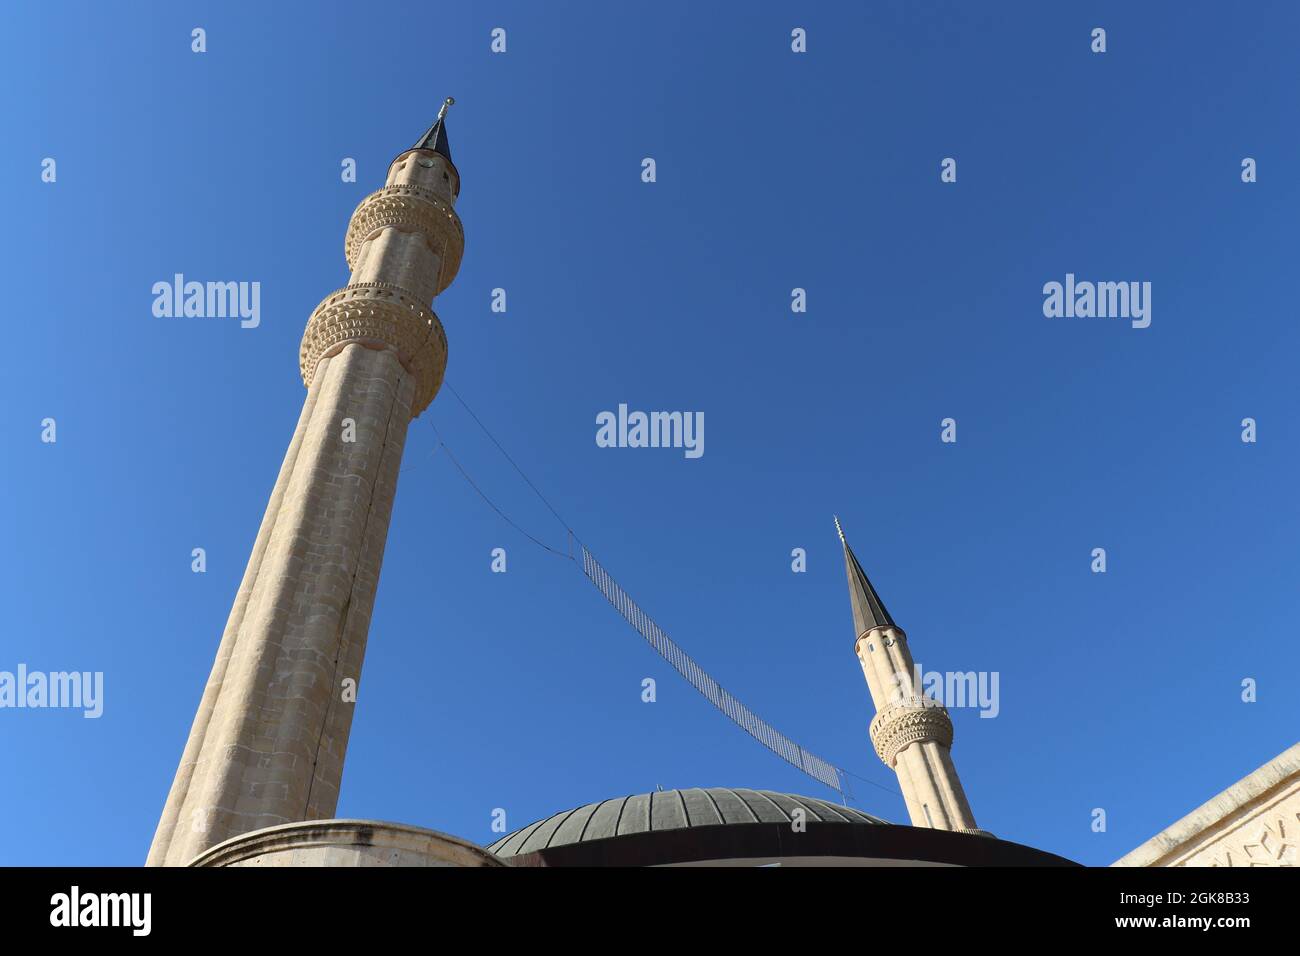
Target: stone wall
[
  {"x": 1255, "y": 822},
  {"x": 345, "y": 843}
]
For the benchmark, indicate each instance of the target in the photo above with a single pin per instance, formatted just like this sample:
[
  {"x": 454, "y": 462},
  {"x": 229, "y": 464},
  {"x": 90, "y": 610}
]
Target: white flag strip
[{"x": 775, "y": 741}]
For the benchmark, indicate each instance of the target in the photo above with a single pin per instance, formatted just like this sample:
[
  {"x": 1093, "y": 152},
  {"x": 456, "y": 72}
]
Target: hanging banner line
[{"x": 767, "y": 735}]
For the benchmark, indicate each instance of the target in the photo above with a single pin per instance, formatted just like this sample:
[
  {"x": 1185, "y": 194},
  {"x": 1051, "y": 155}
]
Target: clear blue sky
[{"x": 775, "y": 170}]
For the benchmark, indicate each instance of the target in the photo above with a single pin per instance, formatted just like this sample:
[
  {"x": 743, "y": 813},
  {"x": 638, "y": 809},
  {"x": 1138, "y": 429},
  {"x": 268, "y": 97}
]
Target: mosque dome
[{"x": 721, "y": 826}]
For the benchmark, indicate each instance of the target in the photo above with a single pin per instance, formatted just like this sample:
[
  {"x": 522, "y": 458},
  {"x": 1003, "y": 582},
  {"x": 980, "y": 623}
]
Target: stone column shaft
[
  {"x": 267, "y": 745},
  {"x": 912, "y": 733},
  {"x": 268, "y": 742}
]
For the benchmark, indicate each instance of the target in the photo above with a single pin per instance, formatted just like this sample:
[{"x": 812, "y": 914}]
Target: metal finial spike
[
  {"x": 839, "y": 529},
  {"x": 446, "y": 103}
]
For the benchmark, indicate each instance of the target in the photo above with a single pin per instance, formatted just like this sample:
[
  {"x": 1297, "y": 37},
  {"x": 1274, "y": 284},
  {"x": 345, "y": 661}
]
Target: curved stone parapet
[
  {"x": 345, "y": 843},
  {"x": 379, "y": 314},
  {"x": 410, "y": 208},
  {"x": 904, "y": 722}
]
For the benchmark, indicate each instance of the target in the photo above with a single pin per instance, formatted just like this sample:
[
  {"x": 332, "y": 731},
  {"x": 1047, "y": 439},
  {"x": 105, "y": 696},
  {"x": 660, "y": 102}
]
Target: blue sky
[{"x": 521, "y": 691}]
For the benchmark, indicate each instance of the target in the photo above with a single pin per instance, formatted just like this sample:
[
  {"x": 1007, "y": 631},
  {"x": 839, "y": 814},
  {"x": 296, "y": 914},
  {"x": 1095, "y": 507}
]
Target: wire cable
[{"x": 782, "y": 746}]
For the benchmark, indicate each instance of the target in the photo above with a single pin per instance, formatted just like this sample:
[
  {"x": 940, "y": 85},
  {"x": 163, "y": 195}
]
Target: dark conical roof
[
  {"x": 868, "y": 610},
  {"x": 436, "y": 138}
]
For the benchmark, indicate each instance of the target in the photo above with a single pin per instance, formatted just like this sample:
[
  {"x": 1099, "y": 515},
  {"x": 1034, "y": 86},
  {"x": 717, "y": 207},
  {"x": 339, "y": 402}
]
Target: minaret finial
[{"x": 436, "y": 138}]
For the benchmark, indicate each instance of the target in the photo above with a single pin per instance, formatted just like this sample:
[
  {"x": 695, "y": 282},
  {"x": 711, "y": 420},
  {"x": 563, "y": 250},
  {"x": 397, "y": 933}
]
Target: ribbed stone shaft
[
  {"x": 268, "y": 742},
  {"x": 912, "y": 733}
]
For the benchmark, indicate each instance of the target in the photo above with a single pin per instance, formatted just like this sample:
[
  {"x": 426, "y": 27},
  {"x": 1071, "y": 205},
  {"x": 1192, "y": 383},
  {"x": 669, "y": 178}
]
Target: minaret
[
  {"x": 912, "y": 733},
  {"x": 268, "y": 742}
]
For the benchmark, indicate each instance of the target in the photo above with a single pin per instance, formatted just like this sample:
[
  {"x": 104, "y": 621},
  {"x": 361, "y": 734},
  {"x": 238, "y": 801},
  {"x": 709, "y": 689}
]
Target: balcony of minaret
[
  {"x": 404, "y": 245},
  {"x": 407, "y": 234}
]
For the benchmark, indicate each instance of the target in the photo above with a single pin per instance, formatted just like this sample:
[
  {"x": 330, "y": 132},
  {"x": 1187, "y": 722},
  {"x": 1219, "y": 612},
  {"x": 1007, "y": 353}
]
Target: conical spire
[
  {"x": 436, "y": 138},
  {"x": 868, "y": 610}
]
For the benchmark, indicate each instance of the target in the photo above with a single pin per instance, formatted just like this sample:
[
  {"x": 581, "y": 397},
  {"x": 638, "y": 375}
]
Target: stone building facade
[{"x": 1255, "y": 822}]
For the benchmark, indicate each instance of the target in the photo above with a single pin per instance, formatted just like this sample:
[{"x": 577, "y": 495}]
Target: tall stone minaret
[
  {"x": 912, "y": 733},
  {"x": 268, "y": 742}
]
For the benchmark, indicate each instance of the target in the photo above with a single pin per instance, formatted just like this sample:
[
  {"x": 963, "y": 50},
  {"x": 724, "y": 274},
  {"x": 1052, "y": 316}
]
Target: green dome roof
[{"x": 672, "y": 810}]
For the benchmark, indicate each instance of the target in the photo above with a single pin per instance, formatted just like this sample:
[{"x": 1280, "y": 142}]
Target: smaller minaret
[{"x": 912, "y": 733}]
